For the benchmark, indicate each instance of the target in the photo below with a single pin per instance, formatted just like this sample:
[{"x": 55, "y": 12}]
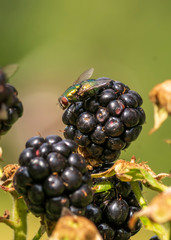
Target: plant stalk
[
  {"x": 19, "y": 217},
  {"x": 40, "y": 232}
]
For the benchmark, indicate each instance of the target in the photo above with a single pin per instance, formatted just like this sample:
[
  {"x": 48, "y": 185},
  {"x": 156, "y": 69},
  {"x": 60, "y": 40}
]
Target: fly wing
[
  {"x": 10, "y": 70},
  {"x": 101, "y": 82},
  {"x": 85, "y": 75}
]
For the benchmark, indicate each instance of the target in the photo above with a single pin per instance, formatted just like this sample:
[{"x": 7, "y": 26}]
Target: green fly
[{"x": 83, "y": 86}]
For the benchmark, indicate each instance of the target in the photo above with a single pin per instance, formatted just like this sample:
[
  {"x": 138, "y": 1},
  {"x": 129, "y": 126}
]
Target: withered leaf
[
  {"x": 160, "y": 96},
  {"x": 75, "y": 228}
]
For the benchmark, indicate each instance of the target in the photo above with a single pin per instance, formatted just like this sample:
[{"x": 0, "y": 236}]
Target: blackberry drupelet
[
  {"x": 51, "y": 176},
  {"x": 105, "y": 123},
  {"x": 10, "y": 106}
]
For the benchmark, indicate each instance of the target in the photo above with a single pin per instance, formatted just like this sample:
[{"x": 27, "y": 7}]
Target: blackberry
[
  {"x": 117, "y": 211},
  {"x": 111, "y": 210},
  {"x": 93, "y": 213},
  {"x": 103, "y": 120},
  {"x": 122, "y": 234},
  {"x": 106, "y": 231},
  {"x": 52, "y": 176},
  {"x": 138, "y": 224},
  {"x": 10, "y": 106},
  {"x": 154, "y": 238}
]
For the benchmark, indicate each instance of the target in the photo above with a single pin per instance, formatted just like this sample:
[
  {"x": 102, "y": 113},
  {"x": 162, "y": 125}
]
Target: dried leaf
[
  {"x": 6, "y": 215},
  {"x": 160, "y": 115},
  {"x": 160, "y": 95},
  {"x": 75, "y": 228},
  {"x": 6, "y": 183},
  {"x": 132, "y": 171}
]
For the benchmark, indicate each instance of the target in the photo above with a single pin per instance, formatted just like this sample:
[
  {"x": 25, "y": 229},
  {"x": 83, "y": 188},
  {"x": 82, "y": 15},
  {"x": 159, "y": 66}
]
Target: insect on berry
[
  {"x": 83, "y": 86},
  {"x": 103, "y": 116}
]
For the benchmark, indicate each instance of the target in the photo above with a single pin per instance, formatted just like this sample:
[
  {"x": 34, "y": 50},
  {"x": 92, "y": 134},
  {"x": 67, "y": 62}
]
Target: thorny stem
[{"x": 40, "y": 232}]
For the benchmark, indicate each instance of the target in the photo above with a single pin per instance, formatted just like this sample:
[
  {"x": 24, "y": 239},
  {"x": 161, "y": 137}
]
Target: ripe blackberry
[
  {"x": 111, "y": 211},
  {"x": 103, "y": 120},
  {"x": 154, "y": 238},
  {"x": 106, "y": 231},
  {"x": 51, "y": 176},
  {"x": 10, "y": 106}
]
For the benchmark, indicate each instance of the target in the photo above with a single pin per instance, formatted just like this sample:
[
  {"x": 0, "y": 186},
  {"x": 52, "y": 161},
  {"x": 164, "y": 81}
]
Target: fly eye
[{"x": 64, "y": 101}]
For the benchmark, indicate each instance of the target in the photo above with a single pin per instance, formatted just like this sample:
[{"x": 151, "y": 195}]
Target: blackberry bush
[
  {"x": 105, "y": 121},
  {"x": 52, "y": 176},
  {"x": 10, "y": 106}
]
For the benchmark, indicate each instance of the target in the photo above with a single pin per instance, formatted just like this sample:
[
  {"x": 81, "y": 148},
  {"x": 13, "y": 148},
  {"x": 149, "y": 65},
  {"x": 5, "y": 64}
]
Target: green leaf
[
  {"x": 152, "y": 182},
  {"x": 102, "y": 187}
]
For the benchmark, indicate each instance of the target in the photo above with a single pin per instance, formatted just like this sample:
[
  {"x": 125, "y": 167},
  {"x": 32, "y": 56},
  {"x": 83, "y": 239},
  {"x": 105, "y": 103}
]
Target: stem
[
  {"x": 40, "y": 232},
  {"x": 170, "y": 231},
  {"x": 8, "y": 222},
  {"x": 138, "y": 194},
  {"x": 19, "y": 217}
]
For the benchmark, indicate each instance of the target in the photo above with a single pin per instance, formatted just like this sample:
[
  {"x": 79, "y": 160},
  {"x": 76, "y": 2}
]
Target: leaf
[
  {"x": 6, "y": 183},
  {"x": 160, "y": 115},
  {"x": 160, "y": 95},
  {"x": 102, "y": 187},
  {"x": 153, "y": 183},
  {"x": 132, "y": 171},
  {"x": 10, "y": 70},
  {"x": 75, "y": 228}
]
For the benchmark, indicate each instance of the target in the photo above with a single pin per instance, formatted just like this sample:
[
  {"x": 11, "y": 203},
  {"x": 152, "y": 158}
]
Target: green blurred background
[{"x": 54, "y": 41}]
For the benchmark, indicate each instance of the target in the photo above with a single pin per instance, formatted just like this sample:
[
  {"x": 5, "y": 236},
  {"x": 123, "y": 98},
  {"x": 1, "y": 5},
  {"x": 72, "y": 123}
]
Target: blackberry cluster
[
  {"x": 10, "y": 106},
  {"x": 105, "y": 123},
  {"x": 112, "y": 210},
  {"x": 51, "y": 176}
]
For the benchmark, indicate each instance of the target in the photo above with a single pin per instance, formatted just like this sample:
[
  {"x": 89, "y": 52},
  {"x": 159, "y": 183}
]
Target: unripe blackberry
[
  {"x": 10, "y": 106},
  {"x": 51, "y": 176},
  {"x": 103, "y": 120}
]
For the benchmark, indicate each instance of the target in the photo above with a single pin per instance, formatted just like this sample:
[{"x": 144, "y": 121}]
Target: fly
[{"x": 83, "y": 86}]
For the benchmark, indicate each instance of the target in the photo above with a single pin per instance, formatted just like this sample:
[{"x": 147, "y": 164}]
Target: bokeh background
[{"x": 54, "y": 41}]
